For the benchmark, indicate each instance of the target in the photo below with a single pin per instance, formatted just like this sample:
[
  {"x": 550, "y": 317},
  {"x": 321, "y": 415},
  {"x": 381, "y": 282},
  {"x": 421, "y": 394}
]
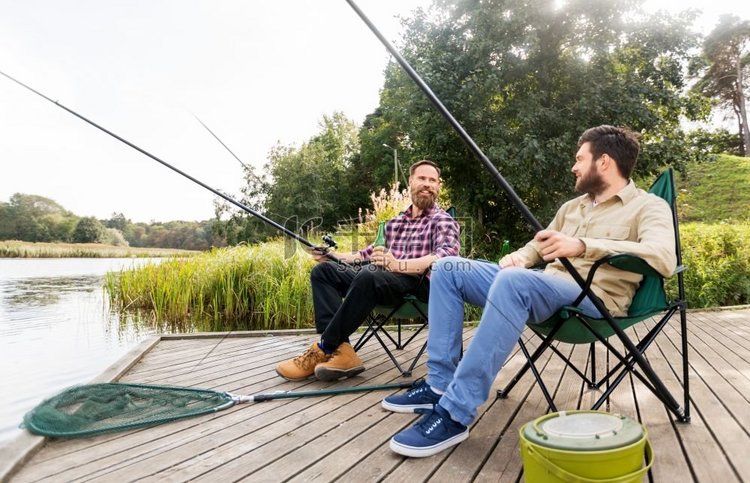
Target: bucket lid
[{"x": 583, "y": 431}]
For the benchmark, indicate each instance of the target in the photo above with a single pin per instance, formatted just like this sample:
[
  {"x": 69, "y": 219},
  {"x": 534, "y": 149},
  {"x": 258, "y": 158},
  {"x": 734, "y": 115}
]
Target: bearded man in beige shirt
[{"x": 612, "y": 216}]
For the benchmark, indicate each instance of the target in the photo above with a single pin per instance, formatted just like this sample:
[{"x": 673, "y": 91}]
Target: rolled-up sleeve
[{"x": 447, "y": 240}]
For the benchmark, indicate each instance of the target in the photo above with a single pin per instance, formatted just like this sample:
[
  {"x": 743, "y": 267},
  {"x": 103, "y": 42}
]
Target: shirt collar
[
  {"x": 626, "y": 194},
  {"x": 427, "y": 212}
]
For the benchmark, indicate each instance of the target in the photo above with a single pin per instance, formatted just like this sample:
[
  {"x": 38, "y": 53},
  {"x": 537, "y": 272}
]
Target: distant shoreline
[{"x": 21, "y": 249}]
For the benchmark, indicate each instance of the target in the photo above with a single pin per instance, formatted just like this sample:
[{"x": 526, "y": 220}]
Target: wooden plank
[
  {"x": 155, "y": 447},
  {"x": 346, "y": 437},
  {"x": 14, "y": 455},
  {"x": 274, "y": 381},
  {"x": 703, "y": 451},
  {"x": 504, "y": 463},
  {"x": 663, "y": 431}
]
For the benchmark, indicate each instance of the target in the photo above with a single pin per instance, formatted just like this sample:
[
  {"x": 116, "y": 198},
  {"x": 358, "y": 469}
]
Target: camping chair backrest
[{"x": 651, "y": 296}]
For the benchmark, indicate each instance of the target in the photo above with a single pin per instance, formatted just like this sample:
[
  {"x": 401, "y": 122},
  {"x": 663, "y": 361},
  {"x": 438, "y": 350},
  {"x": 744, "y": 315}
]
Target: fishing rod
[
  {"x": 514, "y": 198},
  {"x": 218, "y": 193},
  {"x": 222, "y": 143},
  {"x": 327, "y": 239}
]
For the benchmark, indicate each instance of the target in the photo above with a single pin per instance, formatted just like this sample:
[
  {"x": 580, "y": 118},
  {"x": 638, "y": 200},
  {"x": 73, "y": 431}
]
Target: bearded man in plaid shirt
[{"x": 343, "y": 295}]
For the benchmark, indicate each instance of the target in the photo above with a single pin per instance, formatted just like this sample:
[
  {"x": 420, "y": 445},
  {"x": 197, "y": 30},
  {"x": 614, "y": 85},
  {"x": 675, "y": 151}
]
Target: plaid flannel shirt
[{"x": 434, "y": 231}]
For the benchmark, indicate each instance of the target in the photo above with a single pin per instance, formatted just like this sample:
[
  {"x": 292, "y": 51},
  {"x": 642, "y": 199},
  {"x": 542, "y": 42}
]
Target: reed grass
[
  {"x": 21, "y": 249},
  {"x": 247, "y": 287}
]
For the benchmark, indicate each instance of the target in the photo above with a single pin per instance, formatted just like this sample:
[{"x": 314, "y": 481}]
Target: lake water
[{"x": 56, "y": 330}]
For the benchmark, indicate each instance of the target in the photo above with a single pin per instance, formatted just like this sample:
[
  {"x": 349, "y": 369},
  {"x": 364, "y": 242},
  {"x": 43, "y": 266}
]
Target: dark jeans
[{"x": 362, "y": 288}]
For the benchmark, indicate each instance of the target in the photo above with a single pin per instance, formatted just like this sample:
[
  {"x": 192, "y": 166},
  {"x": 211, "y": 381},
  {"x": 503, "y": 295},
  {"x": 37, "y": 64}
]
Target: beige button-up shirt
[{"x": 632, "y": 221}]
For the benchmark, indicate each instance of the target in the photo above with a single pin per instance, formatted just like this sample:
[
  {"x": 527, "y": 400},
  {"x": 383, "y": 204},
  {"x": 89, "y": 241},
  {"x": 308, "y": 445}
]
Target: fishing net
[{"x": 98, "y": 408}]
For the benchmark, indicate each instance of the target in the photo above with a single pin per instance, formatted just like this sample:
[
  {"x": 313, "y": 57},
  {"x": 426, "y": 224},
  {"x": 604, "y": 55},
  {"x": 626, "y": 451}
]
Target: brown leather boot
[
  {"x": 302, "y": 366},
  {"x": 344, "y": 362}
]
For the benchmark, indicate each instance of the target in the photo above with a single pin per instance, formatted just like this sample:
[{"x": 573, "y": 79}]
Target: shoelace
[
  {"x": 301, "y": 361},
  {"x": 429, "y": 422},
  {"x": 417, "y": 389}
]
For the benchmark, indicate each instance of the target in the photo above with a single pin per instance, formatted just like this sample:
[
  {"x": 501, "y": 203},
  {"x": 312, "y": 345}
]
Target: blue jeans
[{"x": 510, "y": 297}]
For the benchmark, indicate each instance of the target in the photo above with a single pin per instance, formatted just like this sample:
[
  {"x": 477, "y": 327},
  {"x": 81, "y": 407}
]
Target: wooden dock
[{"x": 345, "y": 437}]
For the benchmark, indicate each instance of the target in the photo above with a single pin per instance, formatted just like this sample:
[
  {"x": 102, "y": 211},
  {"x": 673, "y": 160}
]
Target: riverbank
[{"x": 21, "y": 249}]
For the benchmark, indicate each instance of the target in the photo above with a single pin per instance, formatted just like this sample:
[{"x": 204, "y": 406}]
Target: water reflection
[
  {"x": 56, "y": 330},
  {"x": 46, "y": 291}
]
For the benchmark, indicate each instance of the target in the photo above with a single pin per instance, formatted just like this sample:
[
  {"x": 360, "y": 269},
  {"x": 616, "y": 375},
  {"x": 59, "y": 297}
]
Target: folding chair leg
[
  {"x": 661, "y": 390},
  {"x": 390, "y": 355},
  {"x": 685, "y": 368},
  {"x": 592, "y": 357},
  {"x": 546, "y": 342},
  {"x": 529, "y": 364},
  {"x": 408, "y": 372},
  {"x": 538, "y": 378}
]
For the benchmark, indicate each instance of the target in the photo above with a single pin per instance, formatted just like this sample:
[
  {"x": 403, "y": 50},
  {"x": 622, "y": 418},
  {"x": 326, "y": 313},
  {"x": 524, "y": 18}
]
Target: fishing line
[{"x": 178, "y": 171}]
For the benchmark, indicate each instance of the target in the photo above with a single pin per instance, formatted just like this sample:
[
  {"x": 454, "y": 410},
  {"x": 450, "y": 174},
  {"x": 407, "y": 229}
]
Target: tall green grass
[{"x": 258, "y": 287}]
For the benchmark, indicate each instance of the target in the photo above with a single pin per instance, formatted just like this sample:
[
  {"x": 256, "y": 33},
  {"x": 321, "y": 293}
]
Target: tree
[
  {"x": 525, "y": 78},
  {"x": 36, "y": 219},
  {"x": 725, "y": 70},
  {"x": 89, "y": 230},
  {"x": 307, "y": 186}
]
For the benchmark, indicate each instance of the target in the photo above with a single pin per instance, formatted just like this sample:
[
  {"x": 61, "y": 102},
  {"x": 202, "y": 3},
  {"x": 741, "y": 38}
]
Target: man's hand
[
  {"x": 318, "y": 253},
  {"x": 382, "y": 258},
  {"x": 512, "y": 260},
  {"x": 553, "y": 244}
]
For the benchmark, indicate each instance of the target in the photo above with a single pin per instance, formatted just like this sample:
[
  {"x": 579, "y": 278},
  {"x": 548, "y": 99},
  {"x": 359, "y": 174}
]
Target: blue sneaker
[
  {"x": 419, "y": 396},
  {"x": 432, "y": 434}
]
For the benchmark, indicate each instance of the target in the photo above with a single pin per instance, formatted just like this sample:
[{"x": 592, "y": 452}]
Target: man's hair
[
  {"x": 621, "y": 144},
  {"x": 414, "y": 166}
]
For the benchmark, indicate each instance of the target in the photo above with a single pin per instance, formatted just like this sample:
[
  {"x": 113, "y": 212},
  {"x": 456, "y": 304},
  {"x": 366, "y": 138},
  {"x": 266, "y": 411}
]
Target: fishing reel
[{"x": 328, "y": 240}]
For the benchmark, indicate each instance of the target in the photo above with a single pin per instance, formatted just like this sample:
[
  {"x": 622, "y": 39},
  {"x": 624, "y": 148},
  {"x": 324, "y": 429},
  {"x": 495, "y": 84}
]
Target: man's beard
[
  {"x": 421, "y": 200},
  {"x": 591, "y": 183}
]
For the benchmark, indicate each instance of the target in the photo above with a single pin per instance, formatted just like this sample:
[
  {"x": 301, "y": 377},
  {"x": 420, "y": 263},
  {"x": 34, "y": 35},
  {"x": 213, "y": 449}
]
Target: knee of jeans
[
  {"x": 443, "y": 267},
  {"x": 511, "y": 278}
]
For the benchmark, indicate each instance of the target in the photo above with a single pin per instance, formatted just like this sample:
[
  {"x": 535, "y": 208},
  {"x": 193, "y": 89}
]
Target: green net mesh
[{"x": 97, "y": 408}]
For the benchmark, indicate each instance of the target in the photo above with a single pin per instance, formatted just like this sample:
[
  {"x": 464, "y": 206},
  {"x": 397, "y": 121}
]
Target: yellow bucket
[{"x": 584, "y": 447}]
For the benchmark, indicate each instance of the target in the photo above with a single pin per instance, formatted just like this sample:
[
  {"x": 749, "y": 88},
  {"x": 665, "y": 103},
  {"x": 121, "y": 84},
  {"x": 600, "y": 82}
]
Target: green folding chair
[
  {"x": 570, "y": 325},
  {"x": 409, "y": 309}
]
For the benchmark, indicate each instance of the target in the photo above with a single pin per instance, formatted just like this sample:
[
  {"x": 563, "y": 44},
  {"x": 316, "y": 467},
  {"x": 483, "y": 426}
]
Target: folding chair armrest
[
  {"x": 631, "y": 263},
  {"x": 623, "y": 261}
]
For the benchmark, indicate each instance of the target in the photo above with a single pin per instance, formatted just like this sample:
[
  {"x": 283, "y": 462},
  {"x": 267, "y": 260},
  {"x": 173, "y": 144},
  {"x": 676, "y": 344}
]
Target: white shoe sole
[
  {"x": 423, "y": 452},
  {"x": 404, "y": 408}
]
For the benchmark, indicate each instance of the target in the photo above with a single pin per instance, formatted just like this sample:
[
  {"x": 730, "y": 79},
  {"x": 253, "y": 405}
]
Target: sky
[{"x": 257, "y": 73}]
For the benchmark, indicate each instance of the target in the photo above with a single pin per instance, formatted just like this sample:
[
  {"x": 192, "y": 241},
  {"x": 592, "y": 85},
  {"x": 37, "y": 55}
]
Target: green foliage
[
  {"x": 717, "y": 257},
  {"x": 309, "y": 186},
  {"x": 89, "y": 230},
  {"x": 706, "y": 144},
  {"x": 716, "y": 191},
  {"x": 36, "y": 219},
  {"x": 185, "y": 235},
  {"x": 525, "y": 79},
  {"x": 724, "y": 70}
]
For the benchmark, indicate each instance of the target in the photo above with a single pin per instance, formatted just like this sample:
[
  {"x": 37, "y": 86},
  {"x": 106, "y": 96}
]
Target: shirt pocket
[{"x": 608, "y": 232}]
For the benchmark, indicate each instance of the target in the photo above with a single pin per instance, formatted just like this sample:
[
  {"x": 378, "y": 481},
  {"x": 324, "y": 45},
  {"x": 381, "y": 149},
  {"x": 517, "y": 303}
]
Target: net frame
[{"x": 91, "y": 409}]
